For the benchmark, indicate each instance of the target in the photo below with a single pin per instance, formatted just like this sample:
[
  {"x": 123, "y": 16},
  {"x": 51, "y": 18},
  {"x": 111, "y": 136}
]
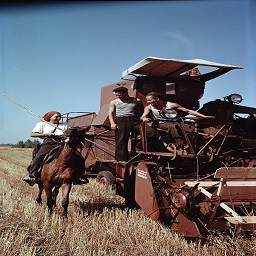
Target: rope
[{"x": 28, "y": 110}]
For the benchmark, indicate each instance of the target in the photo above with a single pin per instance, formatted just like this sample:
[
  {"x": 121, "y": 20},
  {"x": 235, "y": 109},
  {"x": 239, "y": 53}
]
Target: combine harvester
[{"x": 206, "y": 179}]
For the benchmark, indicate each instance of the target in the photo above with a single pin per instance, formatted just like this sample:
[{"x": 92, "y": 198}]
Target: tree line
[
  {"x": 26, "y": 144},
  {"x": 23, "y": 144}
]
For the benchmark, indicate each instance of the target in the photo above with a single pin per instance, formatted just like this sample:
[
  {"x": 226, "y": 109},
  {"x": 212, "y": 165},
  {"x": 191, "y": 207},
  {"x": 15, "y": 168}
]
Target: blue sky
[{"x": 57, "y": 56}]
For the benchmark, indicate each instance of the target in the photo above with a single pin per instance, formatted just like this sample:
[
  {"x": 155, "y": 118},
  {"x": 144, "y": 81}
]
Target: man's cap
[{"x": 120, "y": 89}]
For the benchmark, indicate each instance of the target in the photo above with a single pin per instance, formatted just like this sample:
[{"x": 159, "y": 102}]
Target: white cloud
[{"x": 179, "y": 40}]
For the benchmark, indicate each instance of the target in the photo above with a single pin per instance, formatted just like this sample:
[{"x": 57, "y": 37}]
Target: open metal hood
[{"x": 158, "y": 67}]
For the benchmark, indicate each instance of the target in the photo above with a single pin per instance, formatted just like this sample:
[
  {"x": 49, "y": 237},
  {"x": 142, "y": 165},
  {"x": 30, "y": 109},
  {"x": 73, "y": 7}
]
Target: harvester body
[{"x": 206, "y": 178}]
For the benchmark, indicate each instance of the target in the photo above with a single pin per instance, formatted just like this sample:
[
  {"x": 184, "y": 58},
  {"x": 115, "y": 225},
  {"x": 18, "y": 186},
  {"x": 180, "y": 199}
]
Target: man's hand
[
  {"x": 146, "y": 119},
  {"x": 51, "y": 135},
  {"x": 113, "y": 126}
]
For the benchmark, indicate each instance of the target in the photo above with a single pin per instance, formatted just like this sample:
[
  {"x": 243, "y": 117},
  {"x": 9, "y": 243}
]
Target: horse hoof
[{"x": 39, "y": 201}]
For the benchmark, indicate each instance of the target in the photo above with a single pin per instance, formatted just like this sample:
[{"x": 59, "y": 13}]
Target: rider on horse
[{"x": 50, "y": 130}]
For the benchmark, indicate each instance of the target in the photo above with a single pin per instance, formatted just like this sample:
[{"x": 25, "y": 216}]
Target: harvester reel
[{"x": 106, "y": 178}]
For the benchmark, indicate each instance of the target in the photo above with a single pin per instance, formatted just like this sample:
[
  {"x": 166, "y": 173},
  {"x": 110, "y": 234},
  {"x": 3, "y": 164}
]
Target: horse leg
[
  {"x": 50, "y": 201},
  {"x": 55, "y": 194},
  {"x": 40, "y": 191},
  {"x": 66, "y": 188}
]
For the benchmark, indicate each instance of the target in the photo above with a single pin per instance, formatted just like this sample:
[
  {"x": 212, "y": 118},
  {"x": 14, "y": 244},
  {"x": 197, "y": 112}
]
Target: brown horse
[{"x": 61, "y": 172}]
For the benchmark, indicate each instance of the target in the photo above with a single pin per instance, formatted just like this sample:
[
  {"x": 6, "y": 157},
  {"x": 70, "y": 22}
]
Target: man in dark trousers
[
  {"x": 124, "y": 117},
  {"x": 50, "y": 130}
]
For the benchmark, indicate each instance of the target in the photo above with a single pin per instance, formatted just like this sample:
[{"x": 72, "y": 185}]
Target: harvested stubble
[{"x": 98, "y": 223}]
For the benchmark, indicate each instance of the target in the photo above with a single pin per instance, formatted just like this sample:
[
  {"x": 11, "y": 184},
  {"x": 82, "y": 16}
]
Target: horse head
[{"x": 74, "y": 135}]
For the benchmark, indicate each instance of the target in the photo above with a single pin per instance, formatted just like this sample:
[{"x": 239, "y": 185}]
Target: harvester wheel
[{"x": 106, "y": 177}]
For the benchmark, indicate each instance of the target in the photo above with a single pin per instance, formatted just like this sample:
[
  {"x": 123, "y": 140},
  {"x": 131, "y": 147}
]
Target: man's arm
[
  {"x": 213, "y": 74},
  {"x": 190, "y": 111},
  {"x": 111, "y": 113},
  {"x": 145, "y": 114},
  {"x": 41, "y": 135},
  {"x": 39, "y": 131}
]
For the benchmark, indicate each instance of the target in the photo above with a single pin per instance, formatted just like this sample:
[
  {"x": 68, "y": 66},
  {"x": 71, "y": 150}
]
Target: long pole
[{"x": 28, "y": 110}]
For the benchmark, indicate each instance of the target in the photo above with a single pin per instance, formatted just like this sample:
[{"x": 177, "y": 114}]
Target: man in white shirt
[
  {"x": 49, "y": 132},
  {"x": 153, "y": 112}
]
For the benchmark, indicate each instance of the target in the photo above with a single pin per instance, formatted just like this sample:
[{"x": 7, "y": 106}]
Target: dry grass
[{"x": 98, "y": 224}]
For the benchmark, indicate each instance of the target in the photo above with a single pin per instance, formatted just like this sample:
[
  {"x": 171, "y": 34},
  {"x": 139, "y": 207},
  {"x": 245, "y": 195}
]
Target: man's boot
[
  {"x": 30, "y": 179},
  {"x": 81, "y": 180}
]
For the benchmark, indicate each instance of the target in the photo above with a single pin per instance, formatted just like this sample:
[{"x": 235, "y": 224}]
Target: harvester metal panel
[{"x": 152, "y": 66}]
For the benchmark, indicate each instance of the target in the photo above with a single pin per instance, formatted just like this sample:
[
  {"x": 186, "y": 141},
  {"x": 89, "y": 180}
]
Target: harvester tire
[{"x": 106, "y": 177}]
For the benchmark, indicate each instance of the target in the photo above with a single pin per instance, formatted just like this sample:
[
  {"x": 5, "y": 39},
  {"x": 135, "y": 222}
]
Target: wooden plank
[
  {"x": 242, "y": 183},
  {"x": 202, "y": 183},
  {"x": 236, "y": 173},
  {"x": 246, "y": 220},
  {"x": 224, "y": 206}
]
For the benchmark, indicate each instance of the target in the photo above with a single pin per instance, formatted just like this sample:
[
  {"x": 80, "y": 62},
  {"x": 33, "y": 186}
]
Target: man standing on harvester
[{"x": 124, "y": 117}]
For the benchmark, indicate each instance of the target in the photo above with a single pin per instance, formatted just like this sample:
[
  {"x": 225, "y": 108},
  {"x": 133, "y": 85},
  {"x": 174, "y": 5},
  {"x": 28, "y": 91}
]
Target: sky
[{"x": 58, "y": 55}]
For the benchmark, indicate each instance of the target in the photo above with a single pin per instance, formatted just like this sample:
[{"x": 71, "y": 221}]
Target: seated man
[
  {"x": 50, "y": 130},
  {"x": 155, "y": 106}
]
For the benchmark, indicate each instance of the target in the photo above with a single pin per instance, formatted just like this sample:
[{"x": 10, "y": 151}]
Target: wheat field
[{"x": 97, "y": 224}]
